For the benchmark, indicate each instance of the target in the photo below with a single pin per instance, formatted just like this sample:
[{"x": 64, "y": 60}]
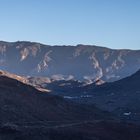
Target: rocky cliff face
[{"x": 82, "y": 62}]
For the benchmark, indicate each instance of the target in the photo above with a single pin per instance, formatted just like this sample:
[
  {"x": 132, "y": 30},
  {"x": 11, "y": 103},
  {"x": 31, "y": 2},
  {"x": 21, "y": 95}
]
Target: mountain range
[
  {"x": 82, "y": 62},
  {"x": 82, "y": 92}
]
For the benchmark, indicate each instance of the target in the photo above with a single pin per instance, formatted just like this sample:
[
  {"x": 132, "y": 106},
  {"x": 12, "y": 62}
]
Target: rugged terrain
[
  {"x": 27, "y": 113},
  {"x": 78, "y": 92},
  {"x": 82, "y": 62},
  {"x": 120, "y": 97}
]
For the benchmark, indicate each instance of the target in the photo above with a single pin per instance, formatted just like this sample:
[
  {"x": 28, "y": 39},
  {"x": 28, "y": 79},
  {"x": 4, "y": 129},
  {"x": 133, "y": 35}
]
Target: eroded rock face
[{"x": 82, "y": 62}]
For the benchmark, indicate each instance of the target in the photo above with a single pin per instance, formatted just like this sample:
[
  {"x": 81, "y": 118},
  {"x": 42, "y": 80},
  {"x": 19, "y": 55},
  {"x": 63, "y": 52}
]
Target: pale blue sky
[{"x": 110, "y": 23}]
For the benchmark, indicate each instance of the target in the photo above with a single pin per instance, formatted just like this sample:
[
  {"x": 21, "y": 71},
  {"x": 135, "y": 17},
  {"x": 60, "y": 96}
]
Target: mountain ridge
[
  {"x": 68, "y": 45},
  {"x": 64, "y": 62}
]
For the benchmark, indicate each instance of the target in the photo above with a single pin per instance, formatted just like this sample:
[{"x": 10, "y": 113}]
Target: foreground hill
[
  {"x": 82, "y": 62},
  {"x": 26, "y": 113},
  {"x": 21, "y": 102}
]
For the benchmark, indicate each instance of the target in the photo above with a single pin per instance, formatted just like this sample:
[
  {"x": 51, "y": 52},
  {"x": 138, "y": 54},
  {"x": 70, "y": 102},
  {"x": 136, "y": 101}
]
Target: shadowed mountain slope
[
  {"x": 26, "y": 113},
  {"x": 20, "y": 102},
  {"x": 120, "y": 97}
]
